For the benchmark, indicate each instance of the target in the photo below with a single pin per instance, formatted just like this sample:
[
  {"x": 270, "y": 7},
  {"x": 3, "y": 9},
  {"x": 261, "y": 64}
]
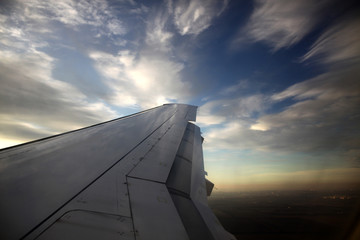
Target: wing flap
[{"x": 154, "y": 213}]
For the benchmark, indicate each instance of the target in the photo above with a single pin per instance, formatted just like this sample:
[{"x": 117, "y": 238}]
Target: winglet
[{"x": 209, "y": 187}]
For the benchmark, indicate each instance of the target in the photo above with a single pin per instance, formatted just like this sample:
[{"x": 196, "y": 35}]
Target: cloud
[
  {"x": 193, "y": 17},
  {"x": 146, "y": 81},
  {"x": 280, "y": 23},
  {"x": 337, "y": 44},
  {"x": 67, "y": 12},
  {"x": 33, "y": 103},
  {"x": 206, "y": 117},
  {"x": 45, "y": 98},
  {"x": 189, "y": 17},
  {"x": 146, "y": 76},
  {"x": 158, "y": 37},
  {"x": 224, "y": 110},
  {"x": 33, "y": 94},
  {"x": 329, "y": 86},
  {"x": 116, "y": 27},
  {"x": 41, "y": 15},
  {"x": 324, "y": 115},
  {"x": 241, "y": 85},
  {"x": 151, "y": 74}
]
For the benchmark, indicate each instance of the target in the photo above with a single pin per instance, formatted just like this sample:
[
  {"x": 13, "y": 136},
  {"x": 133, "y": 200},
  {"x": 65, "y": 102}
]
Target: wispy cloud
[
  {"x": 158, "y": 36},
  {"x": 73, "y": 14},
  {"x": 224, "y": 110},
  {"x": 324, "y": 117},
  {"x": 116, "y": 27},
  {"x": 241, "y": 85},
  {"x": 338, "y": 44},
  {"x": 142, "y": 75},
  {"x": 280, "y": 23},
  {"x": 33, "y": 97},
  {"x": 33, "y": 102},
  {"x": 193, "y": 17},
  {"x": 152, "y": 74}
]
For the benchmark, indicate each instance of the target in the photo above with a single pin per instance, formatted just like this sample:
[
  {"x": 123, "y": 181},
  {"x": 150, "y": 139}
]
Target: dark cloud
[
  {"x": 325, "y": 115},
  {"x": 339, "y": 44}
]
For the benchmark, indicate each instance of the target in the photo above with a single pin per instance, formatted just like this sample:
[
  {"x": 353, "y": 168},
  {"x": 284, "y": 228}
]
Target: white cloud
[
  {"x": 242, "y": 84},
  {"x": 145, "y": 81},
  {"x": 112, "y": 66},
  {"x": 147, "y": 76},
  {"x": 116, "y": 27},
  {"x": 224, "y": 110},
  {"x": 33, "y": 103},
  {"x": 39, "y": 16},
  {"x": 205, "y": 117},
  {"x": 190, "y": 18},
  {"x": 193, "y": 17},
  {"x": 280, "y": 23},
  {"x": 157, "y": 36},
  {"x": 207, "y": 120},
  {"x": 35, "y": 83},
  {"x": 259, "y": 126},
  {"x": 75, "y": 13}
]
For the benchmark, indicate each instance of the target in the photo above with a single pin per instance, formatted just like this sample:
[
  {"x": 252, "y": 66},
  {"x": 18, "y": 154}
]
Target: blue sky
[{"x": 277, "y": 82}]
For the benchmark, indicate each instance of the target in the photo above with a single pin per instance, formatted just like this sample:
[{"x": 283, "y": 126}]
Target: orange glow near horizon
[{"x": 326, "y": 179}]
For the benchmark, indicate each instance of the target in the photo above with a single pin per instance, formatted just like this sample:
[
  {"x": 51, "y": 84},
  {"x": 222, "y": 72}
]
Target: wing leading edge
[{"x": 137, "y": 177}]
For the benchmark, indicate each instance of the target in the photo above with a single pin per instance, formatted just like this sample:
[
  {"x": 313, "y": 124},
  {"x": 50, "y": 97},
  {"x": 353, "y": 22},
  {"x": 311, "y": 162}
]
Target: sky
[{"x": 277, "y": 82}]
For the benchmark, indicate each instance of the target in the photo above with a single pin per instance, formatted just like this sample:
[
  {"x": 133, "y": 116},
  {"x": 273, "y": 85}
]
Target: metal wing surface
[{"x": 136, "y": 177}]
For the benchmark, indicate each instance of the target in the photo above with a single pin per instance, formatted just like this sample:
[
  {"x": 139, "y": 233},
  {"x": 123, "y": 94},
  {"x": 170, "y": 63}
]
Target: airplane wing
[{"x": 136, "y": 177}]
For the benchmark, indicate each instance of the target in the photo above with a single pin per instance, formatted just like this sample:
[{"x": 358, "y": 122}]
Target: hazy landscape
[{"x": 287, "y": 214}]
